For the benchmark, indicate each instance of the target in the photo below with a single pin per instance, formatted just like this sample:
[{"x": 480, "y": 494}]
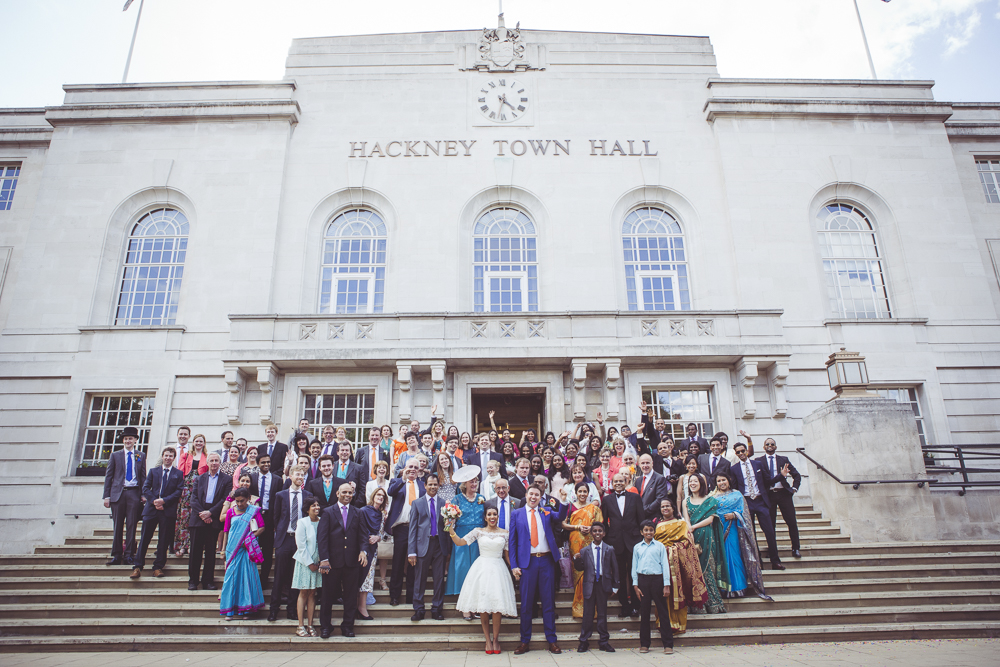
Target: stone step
[{"x": 812, "y": 570}]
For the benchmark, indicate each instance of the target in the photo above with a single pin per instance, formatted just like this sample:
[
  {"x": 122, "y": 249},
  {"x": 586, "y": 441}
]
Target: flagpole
[
  {"x": 864, "y": 38},
  {"x": 132, "y": 45}
]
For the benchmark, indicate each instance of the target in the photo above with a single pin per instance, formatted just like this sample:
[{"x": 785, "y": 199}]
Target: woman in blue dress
[
  {"x": 241, "y": 592},
  {"x": 738, "y": 541},
  {"x": 473, "y": 516}
]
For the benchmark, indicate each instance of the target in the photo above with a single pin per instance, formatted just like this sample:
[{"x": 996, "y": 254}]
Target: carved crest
[{"x": 501, "y": 50}]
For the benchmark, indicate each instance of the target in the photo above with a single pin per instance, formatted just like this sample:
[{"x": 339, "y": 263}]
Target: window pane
[
  {"x": 352, "y": 410},
  {"x": 154, "y": 267},
  {"x": 108, "y": 416},
  {"x": 652, "y": 241},
  {"x": 354, "y": 243},
  {"x": 504, "y": 243}
]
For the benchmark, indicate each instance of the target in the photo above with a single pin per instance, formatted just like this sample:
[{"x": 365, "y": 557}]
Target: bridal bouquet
[{"x": 451, "y": 514}]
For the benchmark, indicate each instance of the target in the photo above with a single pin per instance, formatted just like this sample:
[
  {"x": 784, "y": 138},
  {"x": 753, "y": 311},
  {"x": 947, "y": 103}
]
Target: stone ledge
[
  {"x": 176, "y": 112},
  {"x": 915, "y": 110}
]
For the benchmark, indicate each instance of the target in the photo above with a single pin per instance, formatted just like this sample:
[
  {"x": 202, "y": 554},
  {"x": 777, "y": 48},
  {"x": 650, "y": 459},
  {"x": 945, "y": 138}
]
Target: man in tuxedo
[
  {"x": 325, "y": 487},
  {"x": 753, "y": 480},
  {"x": 522, "y": 478},
  {"x": 534, "y": 563},
  {"x": 429, "y": 546},
  {"x": 623, "y": 513},
  {"x": 785, "y": 480},
  {"x": 601, "y": 580},
  {"x": 290, "y": 505},
  {"x": 162, "y": 492},
  {"x": 276, "y": 451},
  {"x": 483, "y": 456},
  {"x": 692, "y": 436},
  {"x": 123, "y": 482},
  {"x": 652, "y": 487},
  {"x": 265, "y": 485},
  {"x": 368, "y": 456},
  {"x": 503, "y": 503},
  {"x": 207, "y": 497},
  {"x": 344, "y": 549},
  {"x": 350, "y": 472},
  {"x": 403, "y": 491},
  {"x": 713, "y": 463}
]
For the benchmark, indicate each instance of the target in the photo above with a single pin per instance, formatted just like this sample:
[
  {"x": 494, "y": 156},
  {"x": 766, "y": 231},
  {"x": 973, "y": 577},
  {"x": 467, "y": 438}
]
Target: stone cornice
[
  {"x": 175, "y": 112},
  {"x": 25, "y": 137},
  {"x": 912, "y": 110}
]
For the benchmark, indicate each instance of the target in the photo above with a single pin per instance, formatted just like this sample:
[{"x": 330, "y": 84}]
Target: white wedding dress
[{"x": 487, "y": 588}]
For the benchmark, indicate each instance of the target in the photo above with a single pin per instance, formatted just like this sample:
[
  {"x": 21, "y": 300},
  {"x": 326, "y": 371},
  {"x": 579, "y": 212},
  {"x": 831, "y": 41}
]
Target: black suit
[
  {"x": 623, "y": 533},
  {"x": 266, "y": 539},
  {"x": 340, "y": 546},
  {"x": 676, "y": 466},
  {"x": 475, "y": 458},
  {"x": 596, "y": 594},
  {"x": 703, "y": 447},
  {"x": 169, "y": 490},
  {"x": 758, "y": 504},
  {"x": 657, "y": 489},
  {"x": 354, "y": 473},
  {"x": 363, "y": 458},
  {"x": 705, "y": 464},
  {"x": 284, "y": 550},
  {"x": 517, "y": 489},
  {"x": 781, "y": 493},
  {"x": 204, "y": 535},
  {"x": 316, "y": 487},
  {"x": 277, "y": 457}
]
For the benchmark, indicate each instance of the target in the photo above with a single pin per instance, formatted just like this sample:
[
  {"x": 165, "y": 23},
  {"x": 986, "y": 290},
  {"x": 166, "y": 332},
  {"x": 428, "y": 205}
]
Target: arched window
[
  {"x": 656, "y": 272},
  {"x": 353, "y": 274},
  {"x": 855, "y": 281},
  {"x": 505, "y": 262},
  {"x": 154, "y": 266}
]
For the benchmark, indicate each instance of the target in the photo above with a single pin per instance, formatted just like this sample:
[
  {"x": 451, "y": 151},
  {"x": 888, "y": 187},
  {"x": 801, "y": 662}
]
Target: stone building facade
[{"x": 544, "y": 224}]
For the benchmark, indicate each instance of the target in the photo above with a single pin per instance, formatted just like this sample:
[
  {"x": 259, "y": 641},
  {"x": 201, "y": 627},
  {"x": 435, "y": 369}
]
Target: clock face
[{"x": 502, "y": 100}]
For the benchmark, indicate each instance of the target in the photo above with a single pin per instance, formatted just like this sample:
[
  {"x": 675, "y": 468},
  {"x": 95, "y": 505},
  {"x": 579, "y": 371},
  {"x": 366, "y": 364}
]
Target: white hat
[{"x": 465, "y": 473}]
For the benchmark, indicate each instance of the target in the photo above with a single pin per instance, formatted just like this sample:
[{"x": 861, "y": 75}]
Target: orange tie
[
  {"x": 373, "y": 460},
  {"x": 411, "y": 493},
  {"x": 642, "y": 489},
  {"x": 534, "y": 529}
]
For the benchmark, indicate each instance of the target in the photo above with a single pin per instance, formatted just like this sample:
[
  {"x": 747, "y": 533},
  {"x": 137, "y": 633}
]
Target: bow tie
[{"x": 621, "y": 495}]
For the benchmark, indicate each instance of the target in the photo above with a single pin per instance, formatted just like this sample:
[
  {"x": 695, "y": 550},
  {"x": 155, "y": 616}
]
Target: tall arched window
[
  {"x": 154, "y": 266},
  {"x": 855, "y": 281},
  {"x": 656, "y": 272},
  {"x": 353, "y": 273},
  {"x": 505, "y": 262}
]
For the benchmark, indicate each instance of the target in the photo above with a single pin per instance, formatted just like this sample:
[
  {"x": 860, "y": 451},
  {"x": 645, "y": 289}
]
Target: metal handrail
[
  {"x": 856, "y": 484},
  {"x": 963, "y": 454}
]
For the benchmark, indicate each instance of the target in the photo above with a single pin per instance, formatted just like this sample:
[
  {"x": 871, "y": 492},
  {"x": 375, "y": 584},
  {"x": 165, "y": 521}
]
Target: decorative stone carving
[
  {"x": 676, "y": 327},
  {"x": 612, "y": 375},
  {"x": 650, "y": 328},
  {"x": 508, "y": 329},
  {"x": 404, "y": 374},
  {"x": 307, "y": 332},
  {"x": 479, "y": 330},
  {"x": 536, "y": 329},
  {"x": 236, "y": 389},
  {"x": 266, "y": 377},
  {"x": 579, "y": 386},
  {"x": 777, "y": 375},
  {"x": 746, "y": 373},
  {"x": 501, "y": 50},
  {"x": 366, "y": 331},
  {"x": 335, "y": 331},
  {"x": 706, "y": 327},
  {"x": 438, "y": 369}
]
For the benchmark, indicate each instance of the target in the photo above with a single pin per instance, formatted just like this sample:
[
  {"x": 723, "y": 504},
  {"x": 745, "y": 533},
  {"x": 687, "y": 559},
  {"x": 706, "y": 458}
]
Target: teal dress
[
  {"x": 462, "y": 558},
  {"x": 241, "y": 592}
]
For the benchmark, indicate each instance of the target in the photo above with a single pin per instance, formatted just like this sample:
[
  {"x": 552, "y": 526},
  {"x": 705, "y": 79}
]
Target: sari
[
  {"x": 740, "y": 546},
  {"x": 584, "y": 516},
  {"x": 687, "y": 583},
  {"x": 713, "y": 563},
  {"x": 241, "y": 591}
]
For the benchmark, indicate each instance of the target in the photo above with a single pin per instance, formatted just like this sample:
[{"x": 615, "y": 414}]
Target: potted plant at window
[{"x": 97, "y": 469}]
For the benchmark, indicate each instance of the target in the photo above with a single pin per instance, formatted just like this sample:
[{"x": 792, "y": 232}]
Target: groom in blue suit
[{"x": 534, "y": 561}]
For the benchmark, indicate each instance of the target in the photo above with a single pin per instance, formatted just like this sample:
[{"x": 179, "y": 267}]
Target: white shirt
[
  {"x": 772, "y": 466},
  {"x": 291, "y": 501},
  {"x": 714, "y": 463},
  {"x": 543, "y": 542},
  {"x": 621, "y": 502},
  {"x": 750, "y": 479},
  {"x": 329, "y": 450},
  {"x": 270, "y": 448},
  {"x": 135, "y": 472},
  {"x": 484, "y": 458},
  {"x": 505, "y": 504},
  {"x": 404, "y": 514},
  {"x": 599, "y": 562},
  {"x": 265, "y": 497}
]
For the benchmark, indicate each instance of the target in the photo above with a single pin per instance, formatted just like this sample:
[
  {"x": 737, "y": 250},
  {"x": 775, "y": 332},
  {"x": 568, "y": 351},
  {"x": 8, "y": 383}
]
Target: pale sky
[{"x": 48, "y": 43}]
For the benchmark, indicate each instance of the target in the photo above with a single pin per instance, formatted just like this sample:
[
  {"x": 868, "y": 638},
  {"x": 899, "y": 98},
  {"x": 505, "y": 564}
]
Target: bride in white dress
[{"x": 488, "y": 590}]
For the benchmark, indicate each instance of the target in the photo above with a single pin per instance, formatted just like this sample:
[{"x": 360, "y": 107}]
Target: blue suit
[
  {"x": 165, "y": 519},
  {"x": 537, "y": 572}
]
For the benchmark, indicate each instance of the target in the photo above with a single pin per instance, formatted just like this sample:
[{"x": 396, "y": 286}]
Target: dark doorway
[{"x": 516, "y": 409}]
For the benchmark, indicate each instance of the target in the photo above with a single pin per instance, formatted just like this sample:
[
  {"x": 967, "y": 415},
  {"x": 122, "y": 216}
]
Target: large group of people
[{"x": 661, "y": 525}]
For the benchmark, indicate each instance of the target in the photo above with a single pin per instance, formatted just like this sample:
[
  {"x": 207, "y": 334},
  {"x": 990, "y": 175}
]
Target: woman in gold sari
[
  {"x": 581, "y": 515},
  {"x": 687, "y": 583}
]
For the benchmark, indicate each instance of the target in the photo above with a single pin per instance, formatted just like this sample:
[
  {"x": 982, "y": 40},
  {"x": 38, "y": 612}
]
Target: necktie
[
  {"x": 503, "y": 520},
  {"x": 342, "y": 474},
  {"x": 294, "y": 522},
  {"x": 642, "y": 490},
  {"x": 328, "y": 487},
  {"x": 534, "y": 529},
  {"x": 163, "y": 480},
  {"x": 314, "y": 469},
  {"x": 128, "y": 467},
  {"x": 372, "y": 460},
  {"x": 270, "y": 449},
  {"x": 771, "y": 459},
  {"x": 411, "y": 492},
  {"x": 715, "y": 460},
  {"x": 434, "y": 523},
  {"x": 343, "y": 515},
  {"x": 264, "y": 497},
  {"x": 597, "y": 565}
]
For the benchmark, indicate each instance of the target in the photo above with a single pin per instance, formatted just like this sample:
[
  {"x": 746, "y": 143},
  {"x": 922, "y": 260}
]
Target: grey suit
[
  {"x": 126, "y": 502},
  {"x": 431, "y": 551},
  {"x": 657, "y": 489},
  {"x": 596, "y": 594},
  {"x": 512, "y": 504},
  {"x": 705, "y": 468}
]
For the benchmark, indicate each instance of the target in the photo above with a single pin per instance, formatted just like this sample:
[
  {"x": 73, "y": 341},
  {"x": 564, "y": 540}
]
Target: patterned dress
[{"x": 462, "y": 558}]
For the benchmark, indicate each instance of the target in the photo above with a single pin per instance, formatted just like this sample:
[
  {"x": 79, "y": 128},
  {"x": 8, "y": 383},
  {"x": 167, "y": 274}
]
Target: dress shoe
[
  {"x": 418, "y": 616},
  {"x": 293, "y": 615},
  {"x": 393, "y": 602},
  {"x": 777, "y": 566},
  {"x": 669, "y": 650},
  {"x": 554, "y": 648},
  {"x": 439, "y": 616},
  {"x": 324, "y": 633},
  {"x": 158, "y": 574},
  {"x": 347, "y": 632},
  {"x": 209, "y": 587},
  {"x": 361, "y": 617},
  {"x": 272, "y": 617},
  {"x": 607, "y": 648},
  {"x": 623, "y": 616},
  {"x": 192, "y": 587},
  {"x": 114, "y": 561},
  {"x": 136, "y": 573},
  {"x": 796, "y": 553},
  {"x": 643, "y": 649},
  {"x": 583, "y": 647},
  {"x": 521, "y": 649}
]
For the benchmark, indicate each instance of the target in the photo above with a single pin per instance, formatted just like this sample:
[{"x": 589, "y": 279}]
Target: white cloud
[{"x": 957, "y": 41}]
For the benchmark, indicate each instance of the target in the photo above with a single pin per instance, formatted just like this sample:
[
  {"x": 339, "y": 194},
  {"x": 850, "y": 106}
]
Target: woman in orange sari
[
  {"x": 581, "y": 515},
  {"x": 687, "y": 583}
]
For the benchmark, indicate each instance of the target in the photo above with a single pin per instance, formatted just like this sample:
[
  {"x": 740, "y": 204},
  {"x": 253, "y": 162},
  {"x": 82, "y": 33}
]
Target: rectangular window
[
  {"x": 354, "y": 411},
  {"x": 989, "y": 175},
  {"x": 9, "y": 174},
  {"x": 354, "y": 295},
  {"x": 658, "y": 290},
  {"x": 680, "y": 407},
  {"x": 907, "y": 396},
  {"x": 507, "y": 293},
  {"x": 106, "y": 417}
]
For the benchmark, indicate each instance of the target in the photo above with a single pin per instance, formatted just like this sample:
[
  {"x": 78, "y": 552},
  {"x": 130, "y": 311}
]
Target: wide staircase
[{"x": 63, "y": 598}]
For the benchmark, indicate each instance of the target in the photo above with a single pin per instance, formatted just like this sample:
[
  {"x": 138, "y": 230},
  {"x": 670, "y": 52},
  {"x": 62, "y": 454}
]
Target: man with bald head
[
  {"x": 652, "y": 487},
  {"x": 344, "y": 551},
  {"x": 207, "y": 497},
  {"x": 622, "y": 511}
]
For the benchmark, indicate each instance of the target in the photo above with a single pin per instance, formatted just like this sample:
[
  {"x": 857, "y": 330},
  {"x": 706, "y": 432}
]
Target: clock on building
[{"x": 502, "y": 100}]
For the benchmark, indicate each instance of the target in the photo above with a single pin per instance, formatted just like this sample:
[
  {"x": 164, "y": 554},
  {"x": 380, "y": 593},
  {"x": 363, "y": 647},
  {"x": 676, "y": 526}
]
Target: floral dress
[{"x": 462, "y": 558}]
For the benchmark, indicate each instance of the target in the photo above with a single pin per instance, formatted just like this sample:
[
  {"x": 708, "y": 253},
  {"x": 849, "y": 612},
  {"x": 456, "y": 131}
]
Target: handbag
[
  {"x": 385, "y": 547},
  {"x": 566, "y": 568}
]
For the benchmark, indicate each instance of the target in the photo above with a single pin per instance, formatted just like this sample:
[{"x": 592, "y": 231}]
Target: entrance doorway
[{"x": 516, "y": 409}]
